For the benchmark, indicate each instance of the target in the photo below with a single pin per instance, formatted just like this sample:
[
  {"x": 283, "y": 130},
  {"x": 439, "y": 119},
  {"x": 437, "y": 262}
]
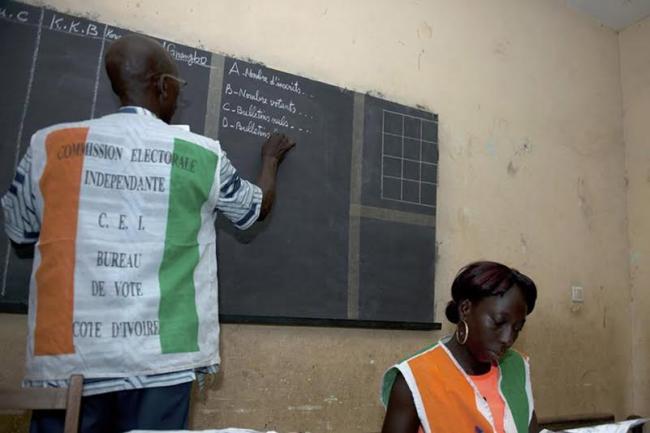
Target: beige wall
[
  {"x": 635, "y": 77},
  {"x": 532, "y": 169}
]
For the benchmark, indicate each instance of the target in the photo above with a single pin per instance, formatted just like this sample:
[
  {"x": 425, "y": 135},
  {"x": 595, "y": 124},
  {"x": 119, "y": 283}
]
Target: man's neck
[{"x": 148, "y": 103}]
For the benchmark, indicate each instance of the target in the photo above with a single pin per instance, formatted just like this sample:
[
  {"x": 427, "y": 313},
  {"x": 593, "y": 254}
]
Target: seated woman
[{"x": 472, "y": 382}]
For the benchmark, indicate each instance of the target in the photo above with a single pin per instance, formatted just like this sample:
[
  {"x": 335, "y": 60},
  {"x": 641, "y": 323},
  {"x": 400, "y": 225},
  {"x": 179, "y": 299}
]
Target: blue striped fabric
[
  {"x": 239, "y": 199},
  {"x": 21, "y": 220},
  {"x": 102, "y": 386}
]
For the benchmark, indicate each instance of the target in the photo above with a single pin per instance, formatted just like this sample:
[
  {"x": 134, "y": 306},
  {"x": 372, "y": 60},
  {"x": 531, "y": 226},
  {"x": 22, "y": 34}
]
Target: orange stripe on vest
[
  {"x": 449, "y": 400},
  {"x": 60, "y": 185}
]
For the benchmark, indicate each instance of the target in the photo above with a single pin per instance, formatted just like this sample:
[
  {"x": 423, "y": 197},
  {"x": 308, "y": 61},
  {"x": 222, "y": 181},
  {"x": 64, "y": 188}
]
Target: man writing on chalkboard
[{"x": 124, "y": 287}]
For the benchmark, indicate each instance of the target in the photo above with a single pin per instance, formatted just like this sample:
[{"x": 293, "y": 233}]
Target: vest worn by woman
[{"x": 447, "y": 401}]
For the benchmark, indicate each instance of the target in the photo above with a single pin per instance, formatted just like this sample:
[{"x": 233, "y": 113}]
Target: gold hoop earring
[{"x": 462, "y": 339}]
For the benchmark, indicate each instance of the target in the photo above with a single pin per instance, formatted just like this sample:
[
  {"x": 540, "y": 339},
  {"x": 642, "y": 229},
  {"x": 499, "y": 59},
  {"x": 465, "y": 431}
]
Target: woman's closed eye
[{"x": 497, "y": 322}]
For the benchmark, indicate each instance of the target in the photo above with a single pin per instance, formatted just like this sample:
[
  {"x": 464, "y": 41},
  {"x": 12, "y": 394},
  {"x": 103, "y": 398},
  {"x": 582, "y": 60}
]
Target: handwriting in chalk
[
  {"x": 191, "y": 57},
  {"x": 20, "y": 16},
  {"x": 73, "y": 26},
  {"x": 259, "y": 75}
]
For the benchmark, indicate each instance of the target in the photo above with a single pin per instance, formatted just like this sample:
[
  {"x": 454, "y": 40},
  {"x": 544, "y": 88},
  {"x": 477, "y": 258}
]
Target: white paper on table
[
  {"x": 225, "y": 430},
  {"x": 618, "y": 427}
]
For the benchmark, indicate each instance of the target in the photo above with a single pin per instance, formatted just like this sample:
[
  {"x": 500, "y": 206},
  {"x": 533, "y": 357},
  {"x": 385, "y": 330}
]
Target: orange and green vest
[
  {"x": 125, "y": 278},
  {"x": 447, "y": 401}
]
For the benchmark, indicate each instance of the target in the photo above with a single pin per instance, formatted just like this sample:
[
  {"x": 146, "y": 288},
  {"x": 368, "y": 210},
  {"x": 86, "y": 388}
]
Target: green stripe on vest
[
  {"x": 190, "y": 185},
  {"x": 513, "y": 387}
]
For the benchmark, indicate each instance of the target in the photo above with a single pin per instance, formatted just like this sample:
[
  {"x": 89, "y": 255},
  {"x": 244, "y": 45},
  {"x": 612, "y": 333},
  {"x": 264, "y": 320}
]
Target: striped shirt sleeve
[
  {"x": 21, "y": 220},
  {"x": 239, "y": 200}
]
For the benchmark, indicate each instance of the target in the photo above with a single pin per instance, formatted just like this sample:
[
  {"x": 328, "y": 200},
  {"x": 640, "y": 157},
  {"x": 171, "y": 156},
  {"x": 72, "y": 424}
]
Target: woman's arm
[{"x": 401, "y": 416}]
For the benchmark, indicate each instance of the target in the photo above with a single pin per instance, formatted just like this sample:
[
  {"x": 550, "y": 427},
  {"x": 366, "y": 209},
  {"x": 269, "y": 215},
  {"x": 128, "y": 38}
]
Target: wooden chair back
[{"x": 68, "y": 399}]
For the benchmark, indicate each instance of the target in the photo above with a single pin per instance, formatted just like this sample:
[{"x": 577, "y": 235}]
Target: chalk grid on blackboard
[{"x": 408, "y": 159}]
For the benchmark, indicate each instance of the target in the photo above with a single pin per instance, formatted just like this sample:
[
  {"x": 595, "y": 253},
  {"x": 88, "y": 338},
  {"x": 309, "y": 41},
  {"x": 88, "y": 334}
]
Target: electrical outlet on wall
[{"x": 577, "y": 295}]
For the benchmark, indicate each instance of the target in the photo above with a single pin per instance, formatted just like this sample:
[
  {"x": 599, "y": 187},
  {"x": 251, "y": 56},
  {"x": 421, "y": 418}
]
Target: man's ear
[
  {"x": 162, "y": 87},
  {"x": 465, "y": 308}
]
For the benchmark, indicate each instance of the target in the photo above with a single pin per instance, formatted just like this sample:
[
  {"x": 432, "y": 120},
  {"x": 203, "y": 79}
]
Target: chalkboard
[{"x": 351, "y": 239}]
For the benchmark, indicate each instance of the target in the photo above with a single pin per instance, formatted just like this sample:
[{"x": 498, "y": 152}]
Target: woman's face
[{"x": 494, "y": 324}]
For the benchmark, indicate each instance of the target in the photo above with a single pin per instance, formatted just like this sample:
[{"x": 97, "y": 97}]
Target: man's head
[{"x": 142, "y": 73}]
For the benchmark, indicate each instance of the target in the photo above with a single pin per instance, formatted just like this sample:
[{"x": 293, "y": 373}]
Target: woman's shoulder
[
  {"x": 393, "y": 371},
  {"x": 423, "y": 351}
]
